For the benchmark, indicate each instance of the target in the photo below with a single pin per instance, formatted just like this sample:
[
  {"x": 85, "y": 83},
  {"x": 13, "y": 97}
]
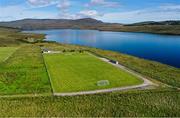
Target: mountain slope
[
  {"x": 30, "y": 24},
  {"x": 163, "y": 27},
  {"x": 175, "y": 22}
]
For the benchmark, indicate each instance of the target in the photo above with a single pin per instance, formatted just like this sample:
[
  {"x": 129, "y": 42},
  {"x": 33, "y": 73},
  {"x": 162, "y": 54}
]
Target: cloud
[
  {"x": 102, "y": 3},
  {"x": 153, "y": 14},
  {"x": 64, "y": 4},
  {"x": 64, "y": 10},
  {"x": 21, "y": 12},
  {"x": 17, "y": 12},
  {"x": 81, "y": 14},
  {"x": 40, "y": 2},
  {"x": 89, "y": 13},
  {"x": 65, "y": 14},
  {"x": 170, "y": 7},
  {"x": 43, "y": 3}
]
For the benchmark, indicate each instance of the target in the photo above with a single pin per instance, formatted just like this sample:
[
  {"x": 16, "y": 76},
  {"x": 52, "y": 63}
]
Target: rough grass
[
  {"x": 5, "y": 52},
  {"x": 6, "y": 39},
  {"x": 13, "y": 37},
  {"x": 149, "y": 104},
  {"x": 161, "y": 72},
  {"x": 24, "y": 72},
  {"x": 72, "y": 72}
]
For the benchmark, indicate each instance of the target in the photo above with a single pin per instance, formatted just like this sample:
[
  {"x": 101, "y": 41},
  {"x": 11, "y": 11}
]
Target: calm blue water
[{"x": 161, "y": 48}]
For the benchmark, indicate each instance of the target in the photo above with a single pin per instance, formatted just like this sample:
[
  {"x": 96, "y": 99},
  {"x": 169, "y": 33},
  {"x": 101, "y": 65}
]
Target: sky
[{"x": 114, "y": 11}]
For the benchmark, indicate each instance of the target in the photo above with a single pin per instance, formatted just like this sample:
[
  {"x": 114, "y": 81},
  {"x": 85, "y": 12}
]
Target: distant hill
[
  {"x": 32, "y": 24},
  {"x": 156, "y": 23},
  {"x": 163, "y": 27}
]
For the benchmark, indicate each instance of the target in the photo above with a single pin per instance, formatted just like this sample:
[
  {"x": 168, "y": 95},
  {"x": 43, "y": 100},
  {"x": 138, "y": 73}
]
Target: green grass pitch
[{"x": 74, "y": 72}]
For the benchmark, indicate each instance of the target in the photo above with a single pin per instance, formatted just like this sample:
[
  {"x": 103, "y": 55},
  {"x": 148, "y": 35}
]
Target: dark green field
[
  {"x": 157, "y": 71},
  {"x": 24, "y": 72},
  {"x": 72, "y": 72}
]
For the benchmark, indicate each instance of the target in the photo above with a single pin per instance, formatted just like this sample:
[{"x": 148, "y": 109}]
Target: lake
[{"x": 161, "y": 48}]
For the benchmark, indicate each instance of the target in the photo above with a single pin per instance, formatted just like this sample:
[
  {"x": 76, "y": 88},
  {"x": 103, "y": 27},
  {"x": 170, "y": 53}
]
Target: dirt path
[
  {"x": 25, "y": 95},
  {"x": 101, "y": 91},
  {"x": 145, "y": 84}
]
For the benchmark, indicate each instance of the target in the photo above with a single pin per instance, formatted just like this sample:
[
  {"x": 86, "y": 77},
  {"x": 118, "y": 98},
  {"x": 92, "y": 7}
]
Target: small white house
[
  {"x": 46, "y": 51},
  {"x": 117, "y": 62},
  {"x": 114, "y": 62}
]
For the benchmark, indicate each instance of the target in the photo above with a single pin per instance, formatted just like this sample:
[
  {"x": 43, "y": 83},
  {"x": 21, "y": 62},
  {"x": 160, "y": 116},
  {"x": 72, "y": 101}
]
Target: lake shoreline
[
  {"x": 142, "y": 45},
  {"x": 103, "y": 30}
]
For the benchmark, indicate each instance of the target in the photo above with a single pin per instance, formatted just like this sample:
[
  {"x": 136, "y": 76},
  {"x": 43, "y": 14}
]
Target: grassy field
[
  {"x": 157, "y": 71},
  {"x": 142, "y": 103},
  {"x": 24, "y": 72},
  {"x": 5, "y": 52},
  {"x": 71, "y": 72}
]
